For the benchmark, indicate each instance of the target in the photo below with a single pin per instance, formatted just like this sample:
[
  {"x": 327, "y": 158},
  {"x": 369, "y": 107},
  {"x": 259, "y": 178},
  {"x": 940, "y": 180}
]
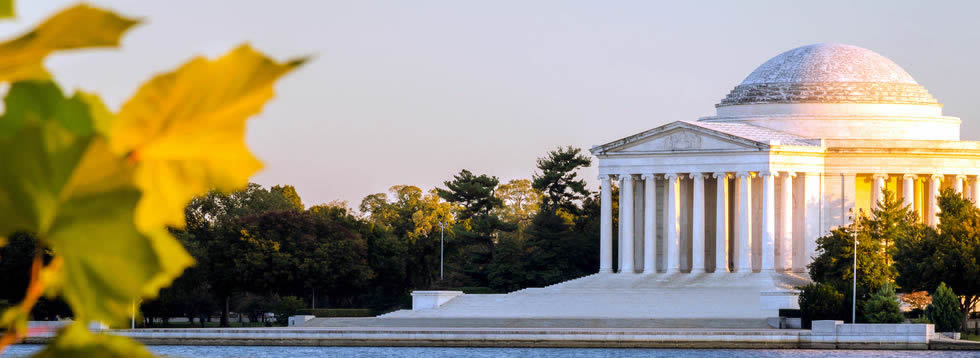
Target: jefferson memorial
[{"x": 718, "y": 217}]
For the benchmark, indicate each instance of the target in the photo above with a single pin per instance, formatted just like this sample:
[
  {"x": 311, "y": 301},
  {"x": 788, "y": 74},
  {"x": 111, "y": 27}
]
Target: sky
[{"x": 411, "y": 92}]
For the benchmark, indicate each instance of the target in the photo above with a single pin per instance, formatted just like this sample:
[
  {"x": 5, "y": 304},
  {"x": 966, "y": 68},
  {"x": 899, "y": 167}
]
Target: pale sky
[{"x": 410, "y": 92}]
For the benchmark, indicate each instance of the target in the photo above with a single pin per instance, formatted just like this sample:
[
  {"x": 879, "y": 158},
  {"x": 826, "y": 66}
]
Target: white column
[
  {"x": 627, "y": 238},
  {"x": 848, "y": 213},
  {"x": 958, "y": 184},
  {"x": 879, "y": 185},
  {"x": 768, "y": 222},
  {"x": 721, "y": 223},
  {"x": 813, "y": 187},
  {"x": 697, "y": 225},
  {"x": 933, "y": 214},
  {"x": 672, "y": 260},
  {"x": 908, "y": 191},
  {"x": 605, "y": 226},
  {"x": 622, "y": 215},
  {"x": 649, "y": 224},
  {"x": 743, "y": 259},
  {"x": 785, "y": 261},
  {"x": 975, "y": 187}
]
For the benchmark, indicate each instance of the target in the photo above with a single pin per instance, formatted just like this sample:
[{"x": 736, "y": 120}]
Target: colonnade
[
  {"x": 732, "y": 233},
  {"x": 674, "y": 229}
]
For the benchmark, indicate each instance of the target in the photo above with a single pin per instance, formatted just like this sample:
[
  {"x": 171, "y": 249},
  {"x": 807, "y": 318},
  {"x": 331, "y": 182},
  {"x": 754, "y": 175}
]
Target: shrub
[
  {"x": 883, "y": 307},
  {"x": 945, "y": 310},
  {"x": 820, "y": 301},
  {"x": 285, "y": 307},
  {"x": 920, "y": 320}
]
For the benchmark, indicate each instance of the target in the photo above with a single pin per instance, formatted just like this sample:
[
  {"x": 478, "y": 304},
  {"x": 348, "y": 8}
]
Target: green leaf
[
  {"x": 7, "y": 9},
  {"x": 32, "y": 101},
  {"x": 186, "y": 129},
  {"x": 38, "y": 161},
  {"x": 79, "y": 197},
  {"x": 81, "y": 26},
  {"x": 76, "y": 341}
]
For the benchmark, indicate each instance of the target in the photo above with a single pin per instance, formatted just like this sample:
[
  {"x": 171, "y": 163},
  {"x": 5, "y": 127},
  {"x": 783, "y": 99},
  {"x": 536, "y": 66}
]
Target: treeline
[{"x": 261, "y": 250}]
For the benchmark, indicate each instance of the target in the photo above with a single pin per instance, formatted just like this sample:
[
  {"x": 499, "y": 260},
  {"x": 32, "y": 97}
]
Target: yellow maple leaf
[
  {"x": 186, "y": 130},
  {"x": 80, "y": 26}
]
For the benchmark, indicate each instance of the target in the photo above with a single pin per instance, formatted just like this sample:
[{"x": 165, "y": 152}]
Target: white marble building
[
  {"x": 807, "y": 140},
  {"x": 719, "y": 216}
]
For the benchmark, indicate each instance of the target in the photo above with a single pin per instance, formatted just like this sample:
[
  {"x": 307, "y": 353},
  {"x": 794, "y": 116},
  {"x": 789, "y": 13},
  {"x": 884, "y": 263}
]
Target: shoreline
[{"x": 525, "y": 338}]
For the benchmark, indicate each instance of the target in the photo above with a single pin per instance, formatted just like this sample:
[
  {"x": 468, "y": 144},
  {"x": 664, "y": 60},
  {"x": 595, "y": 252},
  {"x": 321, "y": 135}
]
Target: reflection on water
[{"x": 422, "y": 352}]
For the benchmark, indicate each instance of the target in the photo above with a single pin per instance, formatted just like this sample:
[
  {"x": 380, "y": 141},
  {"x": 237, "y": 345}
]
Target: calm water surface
[{"x": 307, "y": 352}]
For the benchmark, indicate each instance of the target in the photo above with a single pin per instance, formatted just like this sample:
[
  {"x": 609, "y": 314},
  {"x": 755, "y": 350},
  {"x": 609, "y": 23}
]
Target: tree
[
  {"x": 550, "y": 234},
  {"x": 474, "y": 194},
  {"x": 227, "y": 256},
  {"x": 558, "y": 178},
  {"x": 944, "y": 311},
  {"x": 917, "y": 300},
  {"x": 289, "y": 193},
  {"x": 889, "y": 220},
  {"x": 883, "y": 307},
  {"x": 508, "y": 272},
  {"x": 520, "y": 203},
  {"x": 948, "y": 254},
  {"x": 479, "y": 204},
  {"x": 404, "y": 242},
  {"x": 834, "y": 262}
]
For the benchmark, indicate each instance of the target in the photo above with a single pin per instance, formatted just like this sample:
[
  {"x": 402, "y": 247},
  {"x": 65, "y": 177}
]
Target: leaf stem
[{"x": 34, "y": 290}]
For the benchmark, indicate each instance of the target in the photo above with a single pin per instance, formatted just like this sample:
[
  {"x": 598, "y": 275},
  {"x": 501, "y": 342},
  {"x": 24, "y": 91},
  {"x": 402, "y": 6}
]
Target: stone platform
[
  {"x": 825, "y": 335},
  {"x": 706, "y": 300}
]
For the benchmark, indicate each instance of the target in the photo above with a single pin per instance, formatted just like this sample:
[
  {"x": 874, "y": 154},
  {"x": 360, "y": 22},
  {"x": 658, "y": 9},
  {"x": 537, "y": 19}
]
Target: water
[{"x": 423, "y": 352}]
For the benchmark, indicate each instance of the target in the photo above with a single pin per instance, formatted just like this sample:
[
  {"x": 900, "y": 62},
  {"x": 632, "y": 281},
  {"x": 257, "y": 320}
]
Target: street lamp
[
  {"x": 442, "y": 229},
  {"x": 854, "y": 287}
]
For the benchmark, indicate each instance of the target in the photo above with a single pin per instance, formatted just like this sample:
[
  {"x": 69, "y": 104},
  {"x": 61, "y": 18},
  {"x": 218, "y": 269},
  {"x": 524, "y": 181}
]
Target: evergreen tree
[
  {"x": 944, "y": 311},
  {"x": 889, "y": 219},
  {"x": 883, "y": 306},
  {"x": 476, "y": 196},
  {"x": 558, "y": 179}
]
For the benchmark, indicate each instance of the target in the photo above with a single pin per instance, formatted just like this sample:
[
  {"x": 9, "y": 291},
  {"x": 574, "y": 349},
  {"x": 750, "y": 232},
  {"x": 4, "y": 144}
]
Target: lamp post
[{"x": 442, "y": 229}]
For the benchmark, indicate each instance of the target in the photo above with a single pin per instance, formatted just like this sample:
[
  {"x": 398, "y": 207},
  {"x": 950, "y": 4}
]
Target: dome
[{"x": 828, "y": 73}]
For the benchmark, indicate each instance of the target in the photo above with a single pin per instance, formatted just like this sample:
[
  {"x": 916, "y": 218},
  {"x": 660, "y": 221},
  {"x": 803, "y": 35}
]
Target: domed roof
[
  {"x": 821, "y": 63},
  {"x": 829, "y": 73}
]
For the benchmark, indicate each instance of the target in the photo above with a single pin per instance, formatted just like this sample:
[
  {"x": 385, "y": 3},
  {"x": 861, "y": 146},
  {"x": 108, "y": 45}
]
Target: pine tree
[
  {"x": 883, "y": 306},
  {"x": 944, "y": 311}
]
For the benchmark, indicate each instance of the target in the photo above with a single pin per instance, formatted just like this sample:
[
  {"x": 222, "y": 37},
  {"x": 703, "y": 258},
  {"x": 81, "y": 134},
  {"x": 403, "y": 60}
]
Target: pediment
[{"x": 679, "y": 137}]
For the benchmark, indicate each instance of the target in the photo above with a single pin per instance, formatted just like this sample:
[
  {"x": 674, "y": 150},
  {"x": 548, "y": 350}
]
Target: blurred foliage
[{"x": 98, "y": 190}]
